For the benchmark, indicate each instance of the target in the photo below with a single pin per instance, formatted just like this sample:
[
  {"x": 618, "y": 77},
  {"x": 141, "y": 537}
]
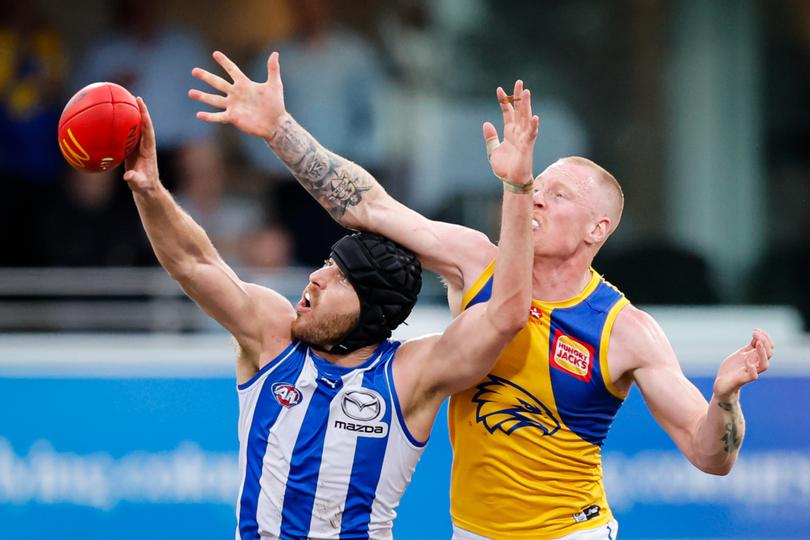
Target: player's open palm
[
  {"x": 253, "y": 107},
  {"x": 744, "y": 365},
  {"x": 512, "y": 158},
  {"x": 141, "y": 164}
]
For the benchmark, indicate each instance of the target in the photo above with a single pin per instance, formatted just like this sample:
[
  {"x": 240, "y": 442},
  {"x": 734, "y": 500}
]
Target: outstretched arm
[
  {"x": 708, "y": 434},
  {"x": 435, "y": 367},
  {"x": 471, "y": 344},
  {"x": 254, "y": 315},
  {"x": 347, "y": 191}
]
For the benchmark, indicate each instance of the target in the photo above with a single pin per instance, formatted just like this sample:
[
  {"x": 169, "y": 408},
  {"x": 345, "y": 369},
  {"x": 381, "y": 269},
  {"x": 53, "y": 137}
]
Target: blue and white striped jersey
[{"x": 323, "y": 450}]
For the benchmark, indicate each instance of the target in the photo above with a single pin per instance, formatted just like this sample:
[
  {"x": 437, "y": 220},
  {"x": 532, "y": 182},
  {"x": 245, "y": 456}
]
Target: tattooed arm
[
  {"x": 348, "y": 192},
  {"x": 733, "y": 423},
  {"x": 708, "y": 434},
  {"x": 342, "y": 187}
]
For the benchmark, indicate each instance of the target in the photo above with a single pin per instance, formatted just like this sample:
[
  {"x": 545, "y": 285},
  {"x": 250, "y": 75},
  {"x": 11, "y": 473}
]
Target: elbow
[
  {"x": 716, "y": 465},
  {"x": 716, "y": 470},
  {"x": 514, "y": 325},
  {"x": 508, "y": 322},
  {"x": 181, "y": 273}
]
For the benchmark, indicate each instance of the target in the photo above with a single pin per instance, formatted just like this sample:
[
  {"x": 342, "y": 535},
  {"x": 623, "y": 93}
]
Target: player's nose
[
  {"x": 318, "y": 277},
  {"x": 538, "y": 198}
]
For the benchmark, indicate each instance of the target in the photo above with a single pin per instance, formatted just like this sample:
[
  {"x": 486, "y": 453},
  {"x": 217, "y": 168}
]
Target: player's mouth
[
  {"x": 305, "y": 304},
  {"x": 535, "y": 224}
]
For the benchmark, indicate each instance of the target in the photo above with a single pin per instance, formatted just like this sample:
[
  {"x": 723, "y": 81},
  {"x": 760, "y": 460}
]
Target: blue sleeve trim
[
  {"x": 271, "y": 364},
  {"x": 390, "y": 375}
]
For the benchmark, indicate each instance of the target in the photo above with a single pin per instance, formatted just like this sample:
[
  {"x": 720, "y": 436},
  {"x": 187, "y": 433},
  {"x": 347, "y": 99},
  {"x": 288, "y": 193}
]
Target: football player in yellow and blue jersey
[{"x": 527, "y": 438}]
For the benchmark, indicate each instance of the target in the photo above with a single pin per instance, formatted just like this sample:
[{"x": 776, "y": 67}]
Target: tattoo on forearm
[
  {"x": 288, "y": 144},
  {"x": 312, "y": 168},
  {"x": 335, "y": 182},
  {"x": 732, "y": 438}
]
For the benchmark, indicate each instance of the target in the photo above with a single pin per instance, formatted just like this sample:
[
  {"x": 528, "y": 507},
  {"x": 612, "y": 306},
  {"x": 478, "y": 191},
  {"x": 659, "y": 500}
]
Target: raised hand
[
  {"x": 744, "y": 365},
  {"x": 511, "y": 159},
  {"x": 141, "y": 164},
  {"x": 253, "y": 107}
]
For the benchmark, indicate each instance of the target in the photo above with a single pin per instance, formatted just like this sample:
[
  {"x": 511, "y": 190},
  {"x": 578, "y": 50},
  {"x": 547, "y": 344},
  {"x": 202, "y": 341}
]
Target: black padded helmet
[{"x": 387, "y": 279}]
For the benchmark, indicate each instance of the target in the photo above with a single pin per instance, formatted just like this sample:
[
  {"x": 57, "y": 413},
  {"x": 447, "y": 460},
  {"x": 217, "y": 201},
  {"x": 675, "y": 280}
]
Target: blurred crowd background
[
  {"x": 117, "y": 392},
  {"x": 699, "y": 108}
]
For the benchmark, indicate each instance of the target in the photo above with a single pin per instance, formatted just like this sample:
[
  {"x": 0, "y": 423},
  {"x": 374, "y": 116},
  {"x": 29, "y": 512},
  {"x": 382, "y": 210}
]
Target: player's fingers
[
  {"x": 518, "y": 96},
  {"x": 763, "y": 336},
  {"x": 529, "y": 113},
  {"x": 217, "y": 117},
  {"x": 214, "y": 81},
  {"x": 520, "y": 108},
  {"x": 767, "y": 345},
  {"x": 490, "y": 138},
  {"x": 535, "y": 126},
  {"x": 147, "y": 128},
  {"x": 519, "y": 104},
  {"x": 763, "y": 361},
  {"x": 229, "y": 66},
  {"x": 524, "y": 108},
  {"x": 506, "y": 107},
  {"x": 757, "y": 340},
  {"x": 132, "y": 175},
  {"x": 273, "y": 68},
  {"x": 214, "y": 100},
  {"x": 769, "y": 338}
]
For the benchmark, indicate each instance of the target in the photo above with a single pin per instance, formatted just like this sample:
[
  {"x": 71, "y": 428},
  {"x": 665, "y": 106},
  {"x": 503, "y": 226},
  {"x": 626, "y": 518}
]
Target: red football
[{"x": 100, "y": 125}]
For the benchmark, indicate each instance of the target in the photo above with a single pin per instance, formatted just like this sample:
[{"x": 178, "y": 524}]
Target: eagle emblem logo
[{"x": 505, "y": 406}]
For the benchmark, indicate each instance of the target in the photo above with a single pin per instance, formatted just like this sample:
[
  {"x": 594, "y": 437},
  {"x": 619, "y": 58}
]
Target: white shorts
[{"x": 609, "y": 531}]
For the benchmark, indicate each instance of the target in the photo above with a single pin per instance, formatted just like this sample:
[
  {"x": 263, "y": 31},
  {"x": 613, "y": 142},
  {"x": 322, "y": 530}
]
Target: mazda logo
[{"x": 360, "y": 405}]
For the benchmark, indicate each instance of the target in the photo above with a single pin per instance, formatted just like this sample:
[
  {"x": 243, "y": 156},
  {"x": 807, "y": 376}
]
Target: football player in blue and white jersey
[{"x": 334, "y": 415}]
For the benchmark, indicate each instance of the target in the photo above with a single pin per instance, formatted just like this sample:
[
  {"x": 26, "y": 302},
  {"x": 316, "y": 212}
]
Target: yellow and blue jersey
[{"x": 527, "y": 439}]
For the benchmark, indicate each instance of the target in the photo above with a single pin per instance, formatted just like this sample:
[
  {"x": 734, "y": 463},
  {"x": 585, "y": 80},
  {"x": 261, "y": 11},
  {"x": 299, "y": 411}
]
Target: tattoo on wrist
[
  {"x": 288, "y": 143},
  {"x": 335, "y": 182},
  {"x": 732, "y": 438}
]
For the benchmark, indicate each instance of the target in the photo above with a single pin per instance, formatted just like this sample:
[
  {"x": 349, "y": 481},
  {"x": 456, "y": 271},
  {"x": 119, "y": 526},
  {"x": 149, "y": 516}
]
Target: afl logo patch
[
  {"x": 572, "y": 356},
  {"x": 361, "y": 405},
  {"x": 286, "y": 394}
]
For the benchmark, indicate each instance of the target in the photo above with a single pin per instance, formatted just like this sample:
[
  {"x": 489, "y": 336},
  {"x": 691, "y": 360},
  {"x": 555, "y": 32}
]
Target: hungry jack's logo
[{"x": 572, "y": 356}]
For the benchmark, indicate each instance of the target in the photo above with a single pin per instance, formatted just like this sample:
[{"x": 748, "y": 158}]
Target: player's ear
[{"x": 599, "y": 231}]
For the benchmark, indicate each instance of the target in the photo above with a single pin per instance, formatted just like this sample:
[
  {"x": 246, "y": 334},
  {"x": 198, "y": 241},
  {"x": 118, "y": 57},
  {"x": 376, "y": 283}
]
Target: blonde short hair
[{"x": 608, "y": 182}]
